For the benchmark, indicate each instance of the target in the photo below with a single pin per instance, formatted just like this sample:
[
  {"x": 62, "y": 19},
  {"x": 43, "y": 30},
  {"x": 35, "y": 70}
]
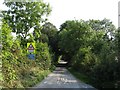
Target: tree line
[
  {"x": 17, "y": 70},
  {"x": 92, "y": 47}
]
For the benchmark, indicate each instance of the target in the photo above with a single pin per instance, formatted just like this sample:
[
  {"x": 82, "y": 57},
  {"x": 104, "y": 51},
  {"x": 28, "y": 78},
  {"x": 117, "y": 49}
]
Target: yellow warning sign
[{"x": 30, "y": 47}]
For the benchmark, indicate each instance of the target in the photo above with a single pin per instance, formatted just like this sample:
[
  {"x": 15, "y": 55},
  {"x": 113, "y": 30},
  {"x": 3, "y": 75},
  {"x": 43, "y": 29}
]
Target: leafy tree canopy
[{"x": 22, "y": 16}]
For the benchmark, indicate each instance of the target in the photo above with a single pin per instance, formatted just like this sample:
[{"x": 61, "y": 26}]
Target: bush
[
  {"x": 43, "y": 56},
  {"x": 84, "y": 60},
  {"x": 17, "y": 70}
]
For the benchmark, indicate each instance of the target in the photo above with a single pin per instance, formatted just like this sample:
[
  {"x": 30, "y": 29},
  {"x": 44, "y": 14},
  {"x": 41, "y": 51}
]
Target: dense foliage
[
  {"x": 17, "y": 70},
  {"x": 50, "y": 35},
  {"x": 90, "y": 47},
  {"x": 22, "y": 16}
]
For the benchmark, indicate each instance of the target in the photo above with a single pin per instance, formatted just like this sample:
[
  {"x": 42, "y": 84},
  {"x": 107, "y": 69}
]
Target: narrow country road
[{"x": 62, "y": 78}]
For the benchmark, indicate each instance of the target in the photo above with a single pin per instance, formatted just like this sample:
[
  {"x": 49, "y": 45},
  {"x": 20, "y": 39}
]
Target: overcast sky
[{"x": 63, "y": 10}]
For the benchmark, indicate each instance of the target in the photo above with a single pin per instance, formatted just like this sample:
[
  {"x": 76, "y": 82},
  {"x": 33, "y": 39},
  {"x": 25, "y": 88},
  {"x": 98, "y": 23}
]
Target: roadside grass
[
  {"x": 86, "y": 79},
  {"x": 82, "y": 77},
  {"x": 35, "y": 78},
  {"x": 27, "y": 78}
]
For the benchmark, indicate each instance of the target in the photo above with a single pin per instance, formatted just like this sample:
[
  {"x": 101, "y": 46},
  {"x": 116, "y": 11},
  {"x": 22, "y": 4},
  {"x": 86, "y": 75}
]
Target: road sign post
[{"x": 31, "y": 50}]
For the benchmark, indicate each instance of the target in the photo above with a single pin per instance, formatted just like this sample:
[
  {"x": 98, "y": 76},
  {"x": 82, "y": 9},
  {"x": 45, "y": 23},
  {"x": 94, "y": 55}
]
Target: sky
[{"x": 63, "y": 10}]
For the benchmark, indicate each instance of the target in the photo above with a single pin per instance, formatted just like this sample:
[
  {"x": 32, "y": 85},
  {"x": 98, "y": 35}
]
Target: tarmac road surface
[{"x": 61, "y": 78}]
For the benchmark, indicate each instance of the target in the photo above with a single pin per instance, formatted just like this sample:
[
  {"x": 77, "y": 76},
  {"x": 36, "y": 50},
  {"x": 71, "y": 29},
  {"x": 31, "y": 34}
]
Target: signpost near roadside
[{"x": 31, "y": 50}]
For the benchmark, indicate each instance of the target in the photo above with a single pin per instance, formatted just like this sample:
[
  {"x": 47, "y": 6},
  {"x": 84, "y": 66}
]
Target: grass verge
[
  {"x": 82, "y": 77},
  {"x": 86, "y": 79},
  {"x": 32, "y": 80}
]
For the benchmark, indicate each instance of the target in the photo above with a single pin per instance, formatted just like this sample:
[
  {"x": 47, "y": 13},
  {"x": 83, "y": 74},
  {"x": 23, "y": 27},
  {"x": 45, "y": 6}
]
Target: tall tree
[
  {"x": 72, "y": 36},
  {"x": 51, "y": 32},
  {"x": 103, "y": 25},
  {"x": 22, "y": 16}
]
